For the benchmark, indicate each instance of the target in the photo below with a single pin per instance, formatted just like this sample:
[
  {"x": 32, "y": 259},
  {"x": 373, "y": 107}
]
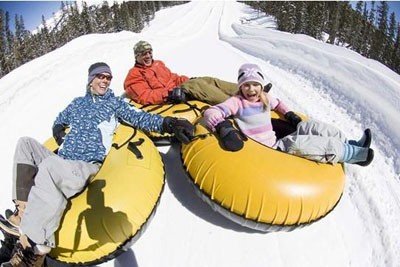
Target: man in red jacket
[{"x": 151, "y": 82}]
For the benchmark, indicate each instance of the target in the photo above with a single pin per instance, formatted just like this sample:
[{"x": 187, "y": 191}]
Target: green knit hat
[{"x": 141, "y": 47}]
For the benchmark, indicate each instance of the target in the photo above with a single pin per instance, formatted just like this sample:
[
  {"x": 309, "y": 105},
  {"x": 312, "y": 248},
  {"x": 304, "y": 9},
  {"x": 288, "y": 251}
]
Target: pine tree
[
  {"x": 149, "y": 10},
  {"x": 365, "y": 31},
  {"x": 118, "y": 24},
  {"x": 85, "y": 19},
  {"x": 45, "y": 37},
  {"x": 383, "y": 11},
  {"x": 396, "y": 52},
  {"x": 124, "y": 15},
  {"x": 389, "y": 50},
  {"x": 137, "y": 21},
  {"x": 315, "y": 19},
  {"x": 73, "y": 25},
  {"x": 2, "y": 43},
  {"x": 372, "y": 11},
  {"x": 345, "y": 24},
  {"x": 21, "y": 52},
  {"x": 64, "y": 33},
  {"x": 357, "y": 28},
  {"x": 9, "y": 60},
  {"x": 379, "y": 41},
  {"x": 291, "y": 15},
  {"x": 332, "y": 26},
  {"x": 369, "y": 30},
  {"x": 300, "y": 17},
  {"x": 103, "y": 18}
]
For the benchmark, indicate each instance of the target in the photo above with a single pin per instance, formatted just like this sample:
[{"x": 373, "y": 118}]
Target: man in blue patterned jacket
[{"x": 43, "y": 181}]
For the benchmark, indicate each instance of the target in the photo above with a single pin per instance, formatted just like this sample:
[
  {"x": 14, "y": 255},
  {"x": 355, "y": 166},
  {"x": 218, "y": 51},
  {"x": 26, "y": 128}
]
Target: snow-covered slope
[{"x": 326, "y": 82}]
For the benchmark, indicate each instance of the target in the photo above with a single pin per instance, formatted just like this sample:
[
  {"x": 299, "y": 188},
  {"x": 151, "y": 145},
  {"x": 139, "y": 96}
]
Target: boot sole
[
  {"x": 370, "y": 157},
  {"x": 9, "y": 213},
  {"x": 7, "y": 227}
]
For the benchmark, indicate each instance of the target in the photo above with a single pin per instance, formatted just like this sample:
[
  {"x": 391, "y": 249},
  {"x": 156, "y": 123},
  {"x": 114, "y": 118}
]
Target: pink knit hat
[{"x": 250, "y": 73}]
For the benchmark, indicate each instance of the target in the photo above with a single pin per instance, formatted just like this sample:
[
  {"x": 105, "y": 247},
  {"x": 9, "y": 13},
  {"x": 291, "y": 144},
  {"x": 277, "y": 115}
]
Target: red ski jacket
[{"x": 150, "y": 85}]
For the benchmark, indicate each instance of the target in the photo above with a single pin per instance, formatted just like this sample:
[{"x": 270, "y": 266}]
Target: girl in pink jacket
[{"x": 251, "y": 109}]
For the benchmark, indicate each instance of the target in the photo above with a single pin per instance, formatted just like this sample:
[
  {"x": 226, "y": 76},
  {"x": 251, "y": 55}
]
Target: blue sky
[
  {"x": 394, "y": 6},
  {"x": 31, "y": 11}
]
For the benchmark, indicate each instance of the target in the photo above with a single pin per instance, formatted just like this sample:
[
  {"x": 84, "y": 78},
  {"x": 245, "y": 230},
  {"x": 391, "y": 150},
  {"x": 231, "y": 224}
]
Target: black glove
[
  {"x": 177, "y": 95},
  {"x": 231, "y": 139},
  {"x": 267, "y": 87},
  {"x": 292, "y": 118},
  {"x": 182, "y": 128},
  {"x": 59, "y": 133}
]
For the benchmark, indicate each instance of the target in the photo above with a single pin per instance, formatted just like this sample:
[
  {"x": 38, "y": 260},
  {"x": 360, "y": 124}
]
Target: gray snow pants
[
  {"x": 56, "y": 180},
  {"x": 316, "y": 141}
]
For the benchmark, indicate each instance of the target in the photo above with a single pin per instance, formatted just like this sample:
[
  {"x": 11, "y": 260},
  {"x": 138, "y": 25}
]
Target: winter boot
[
  {"x": 11, "y": 224},
  {"x": 9, "y": 212},
  {"x": 362, "y": 156},
  {"x": 7, "y": 246},
  {"x": 7, "y": 227},
  {"x": 24, "y": 255},
  {"x": 15, "y": 218},
  {"x": 365, "y": 140}
]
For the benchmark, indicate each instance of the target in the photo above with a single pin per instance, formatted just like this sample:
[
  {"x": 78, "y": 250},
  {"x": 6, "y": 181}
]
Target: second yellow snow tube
[{"x": 260, "y": 187}]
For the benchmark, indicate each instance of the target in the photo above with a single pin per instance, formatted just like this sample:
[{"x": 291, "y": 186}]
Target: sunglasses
[
  {"x": 102, "y": 76},
  {"x": 146, "y": 52}
]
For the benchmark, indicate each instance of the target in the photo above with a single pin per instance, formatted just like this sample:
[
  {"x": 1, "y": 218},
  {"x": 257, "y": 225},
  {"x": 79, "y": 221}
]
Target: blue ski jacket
[{"x": 92, "y": 120}]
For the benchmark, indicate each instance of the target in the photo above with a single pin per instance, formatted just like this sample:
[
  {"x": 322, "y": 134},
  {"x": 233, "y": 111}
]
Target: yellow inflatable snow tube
[
  {"x": 114, "y": 209},
  {"x": 191, "y": 110},
  {"x": 259, "y": 187}
]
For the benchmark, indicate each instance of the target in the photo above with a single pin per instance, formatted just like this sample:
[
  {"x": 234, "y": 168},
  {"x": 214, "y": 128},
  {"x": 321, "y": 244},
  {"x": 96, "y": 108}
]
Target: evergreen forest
[
  {"x": 20, "y": 46},
  {"x": 368, "y": 29}
]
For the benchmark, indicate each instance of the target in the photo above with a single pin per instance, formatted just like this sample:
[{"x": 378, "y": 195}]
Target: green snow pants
[{"x": 210, "y": 90}]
